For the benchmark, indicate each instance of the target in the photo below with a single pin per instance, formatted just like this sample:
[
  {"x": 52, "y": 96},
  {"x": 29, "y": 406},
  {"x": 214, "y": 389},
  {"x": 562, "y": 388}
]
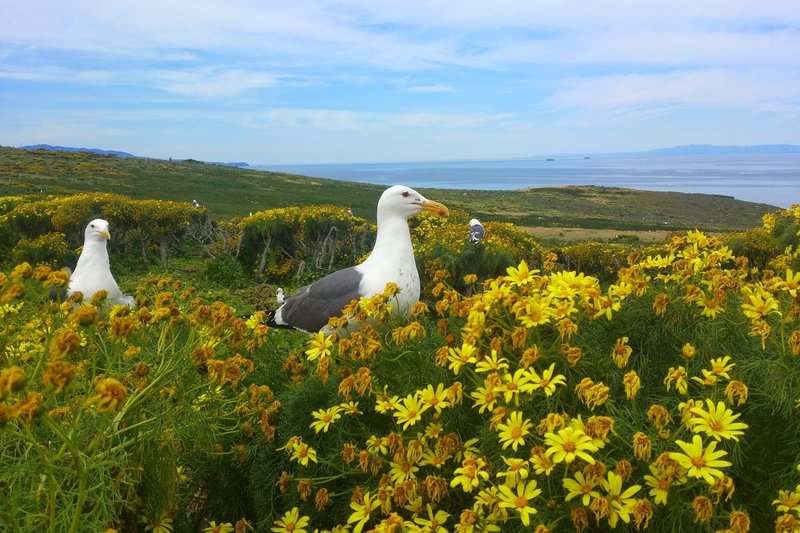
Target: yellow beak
[
  {"x": 105, "y": 234},
  {"x": 436, "y": 208}
]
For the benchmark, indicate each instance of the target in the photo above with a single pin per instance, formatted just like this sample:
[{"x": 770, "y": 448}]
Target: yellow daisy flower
[
  {"x": 324, "y": 418},
  {"x": 718, "y": 422},
  {"x": 580, "y": 487},
  {"x": 435, "y": 398},
  {"x": 291, "y": 522},
  {"x": 568, "y": 444},
  {"x": 701, "y": 462},
  {"x": 513, "y": 431},
  {"x": 361, "y": 511},
  {"x": 433, "y": 524},
  {"x": 622, "y": 502},
  {"x": 520, "y": 499},
  {"x": 319, "y": 345},
  {"x": 518, "y": 469},
  {"x": 409, "y": 411},
  {"x": 547, "y": 382}
]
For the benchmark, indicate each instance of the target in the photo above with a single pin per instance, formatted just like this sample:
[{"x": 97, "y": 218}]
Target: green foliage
[
  {"x": 442, "y": 244},
  {"x": 137, "y": 226},
  {"x": 302, "y": 242},
  {"x": 225, "y": 271},
  {"x": 595, "y": 259},
  {"x": 50, "y": 249}
]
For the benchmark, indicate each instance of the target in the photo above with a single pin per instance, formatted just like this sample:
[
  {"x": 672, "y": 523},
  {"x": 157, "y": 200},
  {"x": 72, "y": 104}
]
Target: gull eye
[{"x": 405, "y": 194}]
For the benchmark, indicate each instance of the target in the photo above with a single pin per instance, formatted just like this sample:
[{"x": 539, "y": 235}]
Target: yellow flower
[
  {"x": 788, "y": 501},
  {"x": 520, "y": 275},
  {"x": 303, "y": 453},
  {"x": 513, "y": 384},
  {"x": 720, "y": 366},
  {"x": 319, "y": 346},
  {"x": 291, "y": 522},
  {"x": 678, "y": 377},
  {"x": 409, "y": 411},
  {"x": 718, "y": 422},
  {"x": 520, "y": 499},
  {"x": 110, "y": 393},
  {"x": 461, "y": 356},
  {"x": 580, "y": 487},
  {"x": 758, "y": 305},
  {"x": 433, "y": 524},
  {"x": 402, "y": 471},
  {"x": 484, "y": 397},
  {"x": 622, "y": 502},
  {"x": 492, "y": 363},
  {"x": 701, "y": 462},
  {"x": 534, "y": 312},
  {"x": 621, "y": 352},
  {"x": 792, "y": 282},
  {"x": 470, "y": 474},
  {"x": 386, "y": 403},
  {"x": 435, "y": 398},
  {"x": 688, "y": 351},
  {"x": 632, "y": 384},
  {"x": 518, "y": 469},
  {"x": 547, "y": 382},
  {"x": 225, "y": 527},
  {"x": 162, "y": 524},
  {"x": 324, "y": 418},
  {"x": 513, "y": 431},
  {"x": 568, "y": 444},
  {"x": 361, "y": 511},
  {"x": 659, "y": 482}
]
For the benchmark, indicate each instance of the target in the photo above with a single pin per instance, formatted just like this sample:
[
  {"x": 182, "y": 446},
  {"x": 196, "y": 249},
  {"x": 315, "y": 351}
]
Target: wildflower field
[{"x": 584, "y": 388}]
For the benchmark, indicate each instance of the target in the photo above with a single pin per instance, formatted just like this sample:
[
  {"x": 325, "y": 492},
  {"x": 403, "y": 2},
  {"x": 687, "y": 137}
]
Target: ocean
[{"x": 772, "y": 179}]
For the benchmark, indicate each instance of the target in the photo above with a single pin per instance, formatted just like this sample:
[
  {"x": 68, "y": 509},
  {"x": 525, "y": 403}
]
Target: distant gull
[
  {"x": 279, "y": 296},
  {"x": 93, "y": 271},
  {"x": 391, "y": 260},
  {"x": 476, "y": 231}
]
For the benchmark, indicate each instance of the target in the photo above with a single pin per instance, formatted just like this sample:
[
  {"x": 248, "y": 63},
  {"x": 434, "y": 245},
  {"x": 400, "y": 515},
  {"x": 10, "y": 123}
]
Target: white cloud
[
  {"x": 637, "y": 96},
  {"x": 211, "y": 83}
]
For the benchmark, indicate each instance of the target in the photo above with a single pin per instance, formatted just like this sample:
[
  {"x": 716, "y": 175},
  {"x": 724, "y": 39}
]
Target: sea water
[{"x": 772, "y": 179}]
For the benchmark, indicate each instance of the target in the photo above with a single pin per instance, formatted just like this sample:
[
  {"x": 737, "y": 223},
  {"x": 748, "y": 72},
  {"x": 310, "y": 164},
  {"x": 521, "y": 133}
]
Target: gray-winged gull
[
  {"x": 93, "y": 271},
  {"x": 391, "y": 260},
  {"x": 476, "y": 231}
]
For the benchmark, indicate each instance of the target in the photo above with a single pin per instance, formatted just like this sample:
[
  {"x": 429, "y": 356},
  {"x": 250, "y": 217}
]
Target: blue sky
[{"x": 318, "y": 81}]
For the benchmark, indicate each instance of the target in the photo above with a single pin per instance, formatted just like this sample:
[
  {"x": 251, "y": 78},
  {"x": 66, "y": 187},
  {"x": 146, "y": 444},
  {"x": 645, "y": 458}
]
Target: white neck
[
  {"x": 393, "y": 242},
  {"x": 94, "y": 253}
]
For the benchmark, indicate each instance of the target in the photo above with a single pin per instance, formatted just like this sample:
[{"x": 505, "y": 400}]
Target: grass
[{"x": 230, "y": 192}]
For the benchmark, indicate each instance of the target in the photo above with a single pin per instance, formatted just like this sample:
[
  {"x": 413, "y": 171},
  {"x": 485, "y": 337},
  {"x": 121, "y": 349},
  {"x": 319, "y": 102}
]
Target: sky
[{"x": 319, "y": 81}]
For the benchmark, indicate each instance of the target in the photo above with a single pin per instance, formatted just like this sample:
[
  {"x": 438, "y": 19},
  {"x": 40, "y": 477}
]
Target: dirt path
[{"x": 582, "y": 234}]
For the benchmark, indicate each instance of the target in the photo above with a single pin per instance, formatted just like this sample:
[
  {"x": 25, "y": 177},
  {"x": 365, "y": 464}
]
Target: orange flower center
[
  {"x": 569, "y": 446},
  {"x": 698, "y": 461},
  {"x": 516, "y": 432},
  {"x": 521, "y": 502}
]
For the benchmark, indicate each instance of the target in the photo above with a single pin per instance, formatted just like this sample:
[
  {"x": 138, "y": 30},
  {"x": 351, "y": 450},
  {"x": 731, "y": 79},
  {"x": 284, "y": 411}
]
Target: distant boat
[
  {"x": 549, "y": 159},
  {"x": 587, "y": 157}
]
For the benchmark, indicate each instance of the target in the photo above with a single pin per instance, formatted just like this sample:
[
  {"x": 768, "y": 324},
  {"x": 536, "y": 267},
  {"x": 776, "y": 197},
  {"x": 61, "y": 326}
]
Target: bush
[{"x": 225, "y": 271}]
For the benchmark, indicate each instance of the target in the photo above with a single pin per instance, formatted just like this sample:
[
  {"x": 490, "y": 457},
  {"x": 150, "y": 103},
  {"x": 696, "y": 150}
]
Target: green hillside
[{"x": 233, "y": 192}]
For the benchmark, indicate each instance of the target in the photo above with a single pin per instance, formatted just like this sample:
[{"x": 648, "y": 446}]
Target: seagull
[
  {"x": 391, "y": 260},
  {"x": 93, "y": 272},
  {"x": 476, "y": 231},
  {"x": 279, "y": 295}
]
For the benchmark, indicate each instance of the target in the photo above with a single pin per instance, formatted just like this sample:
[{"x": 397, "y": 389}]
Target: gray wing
[
  {"x": 476, "y": 233},
  {"x": 310, "y": 308}
]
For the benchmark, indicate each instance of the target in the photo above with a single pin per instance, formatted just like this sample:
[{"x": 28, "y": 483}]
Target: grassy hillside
[{"x": 231, "y": 192}]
